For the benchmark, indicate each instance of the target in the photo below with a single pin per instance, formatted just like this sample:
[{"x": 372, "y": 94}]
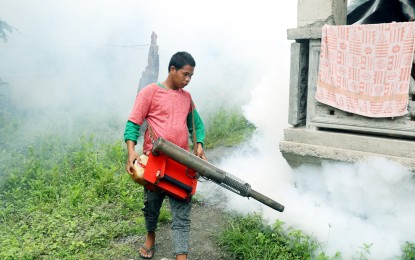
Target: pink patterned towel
[{"x": 365, "y": 69}]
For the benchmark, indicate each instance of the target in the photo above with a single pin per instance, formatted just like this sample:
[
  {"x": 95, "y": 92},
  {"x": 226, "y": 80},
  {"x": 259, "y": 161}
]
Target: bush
[
  {"x": 227, "y": 127},
  {"x": 408, "y": 251},
  {"x": 68, "y": 202},
  {"x": 247, "y": 237}
]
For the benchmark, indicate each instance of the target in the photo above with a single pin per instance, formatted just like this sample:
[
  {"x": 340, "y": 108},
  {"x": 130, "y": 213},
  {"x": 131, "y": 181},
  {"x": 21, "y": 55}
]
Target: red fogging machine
[{"x": 174, "y": 170}]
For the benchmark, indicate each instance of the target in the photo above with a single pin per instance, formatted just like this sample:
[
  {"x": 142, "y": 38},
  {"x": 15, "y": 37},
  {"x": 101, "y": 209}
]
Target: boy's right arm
[
  {"x": 131, "y": 134},
  {"x": 132, "y": 155}
]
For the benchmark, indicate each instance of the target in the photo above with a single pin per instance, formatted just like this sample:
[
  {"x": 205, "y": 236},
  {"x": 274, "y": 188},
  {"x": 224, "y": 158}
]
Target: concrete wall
[
  {"x": 319, "y": 12},
  {"x": 321, "y": 132}
]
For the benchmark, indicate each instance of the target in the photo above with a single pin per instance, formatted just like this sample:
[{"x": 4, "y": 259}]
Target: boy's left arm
[{"x": 200, "y": 132}]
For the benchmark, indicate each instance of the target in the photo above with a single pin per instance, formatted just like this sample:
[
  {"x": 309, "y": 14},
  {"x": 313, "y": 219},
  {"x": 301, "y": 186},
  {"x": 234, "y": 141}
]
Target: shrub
[
  {"x": 227, "y": 127},
  {"x": 68, "y": 202},
  {"x": 247, "y": 237}
]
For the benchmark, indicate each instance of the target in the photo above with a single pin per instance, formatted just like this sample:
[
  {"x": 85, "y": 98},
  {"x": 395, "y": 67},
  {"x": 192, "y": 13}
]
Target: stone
[
  {"x": 316, "y": 13},
  {"x": 151, "y": 72}
]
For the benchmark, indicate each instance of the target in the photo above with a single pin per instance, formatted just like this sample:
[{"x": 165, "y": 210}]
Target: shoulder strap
[
  {"x": 194, "y": 129},
  {"x": 150, "y": 132}
]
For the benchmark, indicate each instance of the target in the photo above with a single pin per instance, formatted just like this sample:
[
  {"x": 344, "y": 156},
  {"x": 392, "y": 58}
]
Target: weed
[
  {"x": 63, "y": 200},
  {"x": 408, "y": 251},
  {"x": 227, "y": 127},
  {"x": 69, "y": 203},
  {"x": 247, "y": 237}
]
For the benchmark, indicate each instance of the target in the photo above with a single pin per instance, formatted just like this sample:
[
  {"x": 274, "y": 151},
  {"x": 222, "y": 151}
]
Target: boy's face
[{"x": 182, "y": 76}]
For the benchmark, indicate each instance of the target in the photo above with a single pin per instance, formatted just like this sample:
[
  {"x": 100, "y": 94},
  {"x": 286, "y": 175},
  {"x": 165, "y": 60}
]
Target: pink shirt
[{"x": 165, "y": 111}]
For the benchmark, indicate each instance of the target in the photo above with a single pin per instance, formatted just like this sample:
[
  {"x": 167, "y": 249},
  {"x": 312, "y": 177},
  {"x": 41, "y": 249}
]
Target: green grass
[
  {"x": 63, "y": 199},
  {"x": 408, "y": 251},
  {"x": 71, "y": 202},
  {"x": 247, "y": 237},
  {"x": 227, "y": 127}
]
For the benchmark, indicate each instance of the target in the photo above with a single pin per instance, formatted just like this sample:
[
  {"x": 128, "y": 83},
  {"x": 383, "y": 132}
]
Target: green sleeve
[
  {"x": 200, "y": 127},
  {"x": 132, "y": 131}
]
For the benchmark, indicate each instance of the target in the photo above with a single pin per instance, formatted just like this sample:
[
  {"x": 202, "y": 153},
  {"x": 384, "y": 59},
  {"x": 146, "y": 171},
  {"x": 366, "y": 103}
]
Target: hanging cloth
[{"x": 365, "y": 69}]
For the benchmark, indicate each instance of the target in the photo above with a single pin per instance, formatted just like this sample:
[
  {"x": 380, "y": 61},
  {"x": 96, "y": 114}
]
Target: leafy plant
[
  {"x": 247, "y": 237},
  {"x": 73, "y": 200},
  {"x": 364, "y": 251},
  {"x": 69, "y": 202},
  {"x": 227, "y": 127},
  {"x": 408, "y": 251}
]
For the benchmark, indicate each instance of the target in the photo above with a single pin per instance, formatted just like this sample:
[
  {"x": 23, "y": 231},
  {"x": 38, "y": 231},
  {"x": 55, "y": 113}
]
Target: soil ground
[{"x": 207, "y": 223}]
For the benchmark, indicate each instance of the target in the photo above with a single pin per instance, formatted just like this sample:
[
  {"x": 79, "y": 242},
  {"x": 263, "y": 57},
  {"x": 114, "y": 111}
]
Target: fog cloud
[
  {"x": 72, "y": 59},
  {"x": 346, "y": 206},
  {"x": 90, "y": 54}
]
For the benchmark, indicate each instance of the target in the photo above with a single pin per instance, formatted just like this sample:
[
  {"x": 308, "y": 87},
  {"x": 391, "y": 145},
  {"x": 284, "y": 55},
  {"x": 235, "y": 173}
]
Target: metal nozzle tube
[{"x": 211, "y": 172}]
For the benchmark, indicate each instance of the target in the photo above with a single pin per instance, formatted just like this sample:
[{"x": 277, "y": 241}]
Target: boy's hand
[
  {"x": 132, "y": 156},
  {"x": 129, "y": 167},
  {"x": 200, "y": 152}
]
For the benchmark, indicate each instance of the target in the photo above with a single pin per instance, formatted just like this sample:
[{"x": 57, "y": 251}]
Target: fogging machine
[{"x": 171, "y": 156}]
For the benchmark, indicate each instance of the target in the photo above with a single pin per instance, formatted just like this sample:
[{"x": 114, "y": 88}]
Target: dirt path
[{"x": 207, "y": 222}]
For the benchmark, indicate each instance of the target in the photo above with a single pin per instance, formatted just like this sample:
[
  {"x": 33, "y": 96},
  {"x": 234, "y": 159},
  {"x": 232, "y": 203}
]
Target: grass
[
  {"x": 71, "y": 203},
  {"x": 408, "y": 251},
  {"x": 247, "y": 237},
  {"x": 73, "y": 200},
  {"x": 227, "y": 127}
]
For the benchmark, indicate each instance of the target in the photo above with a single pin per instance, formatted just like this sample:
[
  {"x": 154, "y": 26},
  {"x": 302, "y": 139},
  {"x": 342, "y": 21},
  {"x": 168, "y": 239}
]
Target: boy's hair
[{"x": 181, "y": 59}]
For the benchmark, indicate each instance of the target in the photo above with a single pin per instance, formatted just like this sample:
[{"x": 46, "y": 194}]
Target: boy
[{"x": 168, "y": 109}]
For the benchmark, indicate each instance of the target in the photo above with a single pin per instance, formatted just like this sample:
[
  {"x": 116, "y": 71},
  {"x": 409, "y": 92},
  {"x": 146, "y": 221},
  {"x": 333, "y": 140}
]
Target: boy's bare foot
[{"x": 181, "y": 257}]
